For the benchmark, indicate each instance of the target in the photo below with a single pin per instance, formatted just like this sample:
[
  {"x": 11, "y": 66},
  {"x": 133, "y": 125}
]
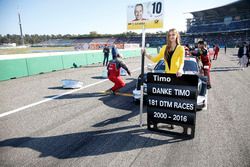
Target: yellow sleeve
[
  {"x": 159, "y": 56},
  {"x": 182, "y": 57}
]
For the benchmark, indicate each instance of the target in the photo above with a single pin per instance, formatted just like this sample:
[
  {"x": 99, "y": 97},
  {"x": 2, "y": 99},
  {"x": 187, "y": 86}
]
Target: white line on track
[{"x": 54, "y": 97}]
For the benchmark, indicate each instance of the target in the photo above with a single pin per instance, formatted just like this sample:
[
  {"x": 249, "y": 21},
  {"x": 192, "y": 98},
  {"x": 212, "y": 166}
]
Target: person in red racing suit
[
  {"x": 202, "y": 54},
  {"x": 114, "y": 67},
  {"x": 216, "y": 52}
]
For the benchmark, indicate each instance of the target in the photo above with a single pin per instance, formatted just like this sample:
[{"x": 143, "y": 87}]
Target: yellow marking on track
[
  {"x": 117, "y": 93},
  {"x": 124, "y": 94}
]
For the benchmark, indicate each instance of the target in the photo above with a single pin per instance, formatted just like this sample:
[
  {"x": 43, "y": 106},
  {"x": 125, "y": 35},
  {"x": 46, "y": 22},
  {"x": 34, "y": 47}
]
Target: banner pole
[{"x": 142, "y": 74}]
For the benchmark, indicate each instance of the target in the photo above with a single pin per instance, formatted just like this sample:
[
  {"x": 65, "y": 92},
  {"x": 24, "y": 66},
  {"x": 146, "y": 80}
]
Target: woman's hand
[{"x": 179, "y": 74}]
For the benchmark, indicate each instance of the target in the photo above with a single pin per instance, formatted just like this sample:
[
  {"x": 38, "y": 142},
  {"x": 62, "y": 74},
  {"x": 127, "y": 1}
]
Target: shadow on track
[
  {"x": 101, "y": 77},
  {"x": 57, "y": 88},
  {"x": 93, "y": 66},
  {"x": 98, "y": 77},
  {"x": 225, "y": 69},
  {"x": 131, "y": 110},
  {"x": 91, "y": 143},
  {"x": 127, "y": 89},
  {"x": 124, "y": 103}
]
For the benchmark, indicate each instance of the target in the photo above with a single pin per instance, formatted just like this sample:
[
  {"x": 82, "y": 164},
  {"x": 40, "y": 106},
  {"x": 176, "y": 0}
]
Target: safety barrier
[{"x": 32, "y": 64}]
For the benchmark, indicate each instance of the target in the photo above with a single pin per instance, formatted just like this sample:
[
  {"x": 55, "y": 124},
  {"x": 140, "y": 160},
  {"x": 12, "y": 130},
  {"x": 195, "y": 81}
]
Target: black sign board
[{"x": 171, "y": 100}]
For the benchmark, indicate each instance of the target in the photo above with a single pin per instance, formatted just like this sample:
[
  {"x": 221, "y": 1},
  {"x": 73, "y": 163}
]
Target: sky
[{"x": 84, "y": 16}]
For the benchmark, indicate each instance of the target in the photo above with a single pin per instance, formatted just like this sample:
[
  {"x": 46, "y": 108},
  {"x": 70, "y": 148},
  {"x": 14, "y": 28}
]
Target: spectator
[
  {"x": 243, "y": 54},
  {"x": 248, "y": 55},
  {"x": 158, "y": 49},
  {"x": 114, "y": 51},
  {"x": 106, "y": 55}
]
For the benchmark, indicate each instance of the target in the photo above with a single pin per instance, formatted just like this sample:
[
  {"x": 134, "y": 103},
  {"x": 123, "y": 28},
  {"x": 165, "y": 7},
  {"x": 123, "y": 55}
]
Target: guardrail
[{"x": 31, "y": 64}]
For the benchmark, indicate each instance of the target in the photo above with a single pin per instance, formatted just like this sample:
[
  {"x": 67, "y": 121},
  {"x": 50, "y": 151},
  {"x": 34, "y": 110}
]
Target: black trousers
[
  {"x": 248, "y": 63},
  {"x": 106, "y": 60}
]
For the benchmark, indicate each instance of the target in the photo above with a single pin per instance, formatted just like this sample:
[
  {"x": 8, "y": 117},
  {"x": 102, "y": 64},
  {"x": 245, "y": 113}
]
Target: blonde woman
[{"x": 173, "y": 54}]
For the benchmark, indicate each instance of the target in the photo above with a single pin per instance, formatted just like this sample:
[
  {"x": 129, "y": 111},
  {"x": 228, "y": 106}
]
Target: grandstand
[
  {"x": 82, "y": 41},
  {"x": 228, "y": 24},
  {"x": 74, "y": 42},
  {"x": 55, "y": 42}
]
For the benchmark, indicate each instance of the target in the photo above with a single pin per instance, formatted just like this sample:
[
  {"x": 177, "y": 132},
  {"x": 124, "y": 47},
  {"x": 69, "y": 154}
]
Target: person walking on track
[
  {"x": 216, "y": 52},
  {"x": 114, "y": 51},
  {"x": 106, "y": 55}
]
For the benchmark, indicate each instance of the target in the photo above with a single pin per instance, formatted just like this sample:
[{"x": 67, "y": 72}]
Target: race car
[{"x": 191, "y": 67}]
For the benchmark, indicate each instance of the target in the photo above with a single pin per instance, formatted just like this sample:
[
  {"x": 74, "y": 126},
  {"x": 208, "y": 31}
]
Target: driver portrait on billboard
[{"x": 138, "y": 12}]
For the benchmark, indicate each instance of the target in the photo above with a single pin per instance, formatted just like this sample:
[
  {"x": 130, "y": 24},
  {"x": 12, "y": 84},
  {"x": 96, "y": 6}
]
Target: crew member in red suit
[
  {"x": 210, "y": 55},
  {"x": 202, "y": 54},
  {"x": 216, "y": 52},
  {"x": 114, "y": 68}
]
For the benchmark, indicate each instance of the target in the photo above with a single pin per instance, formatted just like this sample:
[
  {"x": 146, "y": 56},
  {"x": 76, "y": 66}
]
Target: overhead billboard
[{"x": 145, "y": 15}]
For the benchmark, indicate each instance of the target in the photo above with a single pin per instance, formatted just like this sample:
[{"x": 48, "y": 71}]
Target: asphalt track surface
[{"x": 88, "y": 128}]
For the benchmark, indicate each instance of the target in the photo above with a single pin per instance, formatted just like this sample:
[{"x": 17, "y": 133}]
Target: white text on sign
[
  {"x": 175, "y": 117},
  {"x": 170, "y": 104},
  {"x": 161, "y": 79},
  {"x": 169, "y": 91}
]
